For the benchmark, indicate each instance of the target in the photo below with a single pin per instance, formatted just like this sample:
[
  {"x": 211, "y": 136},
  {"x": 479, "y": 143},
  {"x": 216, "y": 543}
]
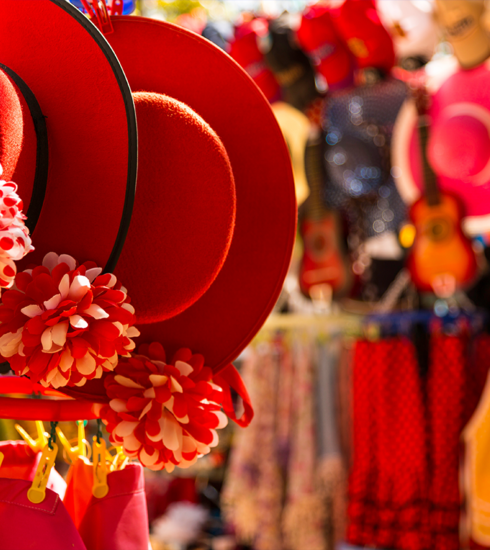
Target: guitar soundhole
[
  {"x": 318, "y": 245},
  {"x": 438, "y": 230}
]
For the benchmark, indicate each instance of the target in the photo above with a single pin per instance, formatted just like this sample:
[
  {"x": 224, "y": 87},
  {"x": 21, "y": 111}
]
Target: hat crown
[
  {"x": 11, "y": 126},
  {"x": 185, "y": 197}
]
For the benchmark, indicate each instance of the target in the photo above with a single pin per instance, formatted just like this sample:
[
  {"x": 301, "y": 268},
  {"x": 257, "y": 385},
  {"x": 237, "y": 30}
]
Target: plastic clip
[
  {"x": 41, "y": 441},
  {"x": 37, "y": 492},
  {"x": 98, "y": 14},
  {"x": 100, "y": 487},
  {"x": 1, "y": 459}
]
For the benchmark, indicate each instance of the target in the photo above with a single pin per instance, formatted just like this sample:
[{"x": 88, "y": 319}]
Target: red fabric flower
[
  {"x": 63, "y": 325},
  {"x": 165, "y": 415},
  {"x": 14, "y": 235}
]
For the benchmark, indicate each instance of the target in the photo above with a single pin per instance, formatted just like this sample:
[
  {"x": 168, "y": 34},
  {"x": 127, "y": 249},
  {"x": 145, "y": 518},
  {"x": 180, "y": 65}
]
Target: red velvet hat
[
  {"x": 67, "y": 123},
  {"x": 319, "y": 39},
  {"x": 246, "y": 52},
  {"x": 214, "y": 219},
  {"x": 359, "y": 25},
  {"x": 227, "y": 315}
]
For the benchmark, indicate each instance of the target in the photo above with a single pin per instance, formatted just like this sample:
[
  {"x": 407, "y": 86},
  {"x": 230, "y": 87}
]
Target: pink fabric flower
[
  {"x": 165, "y": 415},
  {"x": 63, "y": 325},
  {"x": 15, "y": 242}
]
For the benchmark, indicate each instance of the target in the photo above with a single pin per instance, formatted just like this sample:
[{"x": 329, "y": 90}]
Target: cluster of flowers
[
  {"x": 62, "y": 324},
  {"x": 15, "y": 242},
  {"x": 164, "y": 414}
]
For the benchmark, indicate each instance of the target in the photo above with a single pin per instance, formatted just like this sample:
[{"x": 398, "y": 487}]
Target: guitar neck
[
  {"x": 314, "y": 177},
  {"x": 430, "y": 179}
]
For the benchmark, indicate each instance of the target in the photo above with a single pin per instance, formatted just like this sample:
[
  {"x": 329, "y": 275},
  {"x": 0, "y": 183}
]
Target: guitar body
[
  {"x": 440, "y": 249},
  {"x": 324, "y": 261}
]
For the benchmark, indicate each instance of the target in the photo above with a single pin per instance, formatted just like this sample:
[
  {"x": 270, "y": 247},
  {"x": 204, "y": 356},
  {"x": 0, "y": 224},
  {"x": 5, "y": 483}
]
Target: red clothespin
[{"x": 99, "y": 14}]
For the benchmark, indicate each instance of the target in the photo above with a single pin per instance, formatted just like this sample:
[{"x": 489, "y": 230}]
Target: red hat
[
  {"x": 208, "y": 247},
  {"x": 246, "y": 52},
  {"x": 359, "y": 25},
  {"x": 318, "y": 38},
  {"x": 67, "y": 123}
]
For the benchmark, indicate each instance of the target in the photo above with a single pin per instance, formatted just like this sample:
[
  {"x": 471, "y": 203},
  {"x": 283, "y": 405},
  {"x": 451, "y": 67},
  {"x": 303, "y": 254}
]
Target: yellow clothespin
[
  {"x": 99, "y": 454},
  {"x": 1, "y": 459},
  {"x": 72, "y": 452},
  {"x": 41, "y": 441},
  {"x": 78, "y": 450},
  {"x": 81, "y": 438},
  {"x": 37, "y": 492}
]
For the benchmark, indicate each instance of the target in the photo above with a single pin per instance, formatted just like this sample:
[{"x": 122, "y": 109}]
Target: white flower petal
[
  {"x": 158, "y": 379},
  {"x": 125, "y": 428},
  {"x": 96, "y": 312},
  {"x": 146, "y": 459},
  {"x": 50, "y": 260},
  {"x": 149, "y": 393},
  {"x": 66, "y": 360},
  {"x": 188, "y": 444},
  {"x": 64, "y": 286},
  {"x": 128, "y": 307},
  {"x": 118, "y": 405},
  {"x": 58, "y": 334},
  {"x": 76, "y": 321},
  {"x": 145, "y": 410},
  {"x": 170, "y": 429},
  {"x": 93, "y": 273},
  {"x": 32, "y": 311},
  {"x": 215, "y": 439},
  {"x": 53, "y": 302},
  {"x": 68, "y": 260},
  {"x": 175, "y": 387},
  {"x": 132, "y": 332},
  {"x": 127, "y": 382},
  {"x": 46, "y": 339},
  {"x": 9, "y": 342},
  {"x": 78, "y": 288},
  {"x": 184, "y": 368},
  {"x": 222, "y": 419},
  {"x": 86, "y": 365},
  {"x": 131, "y": 444}
]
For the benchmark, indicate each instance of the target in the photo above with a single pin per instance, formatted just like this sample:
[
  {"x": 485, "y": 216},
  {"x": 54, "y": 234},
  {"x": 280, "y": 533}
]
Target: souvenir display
[{"x": 275, "y": 213}]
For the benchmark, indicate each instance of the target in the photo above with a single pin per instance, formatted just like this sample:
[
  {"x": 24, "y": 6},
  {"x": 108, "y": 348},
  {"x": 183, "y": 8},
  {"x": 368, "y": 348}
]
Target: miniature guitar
[
  {"x": 441, "y": 259},
  {"x": 324, "y": 261}
]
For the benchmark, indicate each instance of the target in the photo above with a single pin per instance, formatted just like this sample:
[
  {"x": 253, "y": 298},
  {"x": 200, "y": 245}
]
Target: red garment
[
  {"x": 446, "y": 390},
  {"x": 28, "y": 526},
  {"x": 118, "y": 521},
  {"x": 404, "y": 484},
  {"x": 389, "y": 474}
]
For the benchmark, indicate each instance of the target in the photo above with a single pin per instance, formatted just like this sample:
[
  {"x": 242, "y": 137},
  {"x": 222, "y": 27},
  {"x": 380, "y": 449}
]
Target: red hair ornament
[
  {"x": 167, "y": 414},
  {"x": 65, "y": 324}
]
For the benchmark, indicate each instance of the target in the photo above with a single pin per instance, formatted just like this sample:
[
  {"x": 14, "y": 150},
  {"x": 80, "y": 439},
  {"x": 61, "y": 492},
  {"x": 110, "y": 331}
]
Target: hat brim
[
  {"x": 191, "y": 69},
  {"x": 91, "y": 127}
]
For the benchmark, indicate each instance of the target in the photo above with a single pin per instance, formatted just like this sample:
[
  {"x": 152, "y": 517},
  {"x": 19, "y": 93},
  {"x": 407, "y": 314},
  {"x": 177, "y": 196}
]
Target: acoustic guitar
[
  {"x": 441, "y": 259},
  {"x": 324, "y": 262}
]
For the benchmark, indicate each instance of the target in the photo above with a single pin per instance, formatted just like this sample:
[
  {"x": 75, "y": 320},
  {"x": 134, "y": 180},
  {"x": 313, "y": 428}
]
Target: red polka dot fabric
[{"x": 404, "y": 483}]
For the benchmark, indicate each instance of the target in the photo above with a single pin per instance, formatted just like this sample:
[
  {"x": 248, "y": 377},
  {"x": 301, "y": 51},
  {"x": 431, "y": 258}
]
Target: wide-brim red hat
[
  {"x": 78, "y": 130},
  {"x": 195, "y": 72},
  {"x": 214, "y": 217}
]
